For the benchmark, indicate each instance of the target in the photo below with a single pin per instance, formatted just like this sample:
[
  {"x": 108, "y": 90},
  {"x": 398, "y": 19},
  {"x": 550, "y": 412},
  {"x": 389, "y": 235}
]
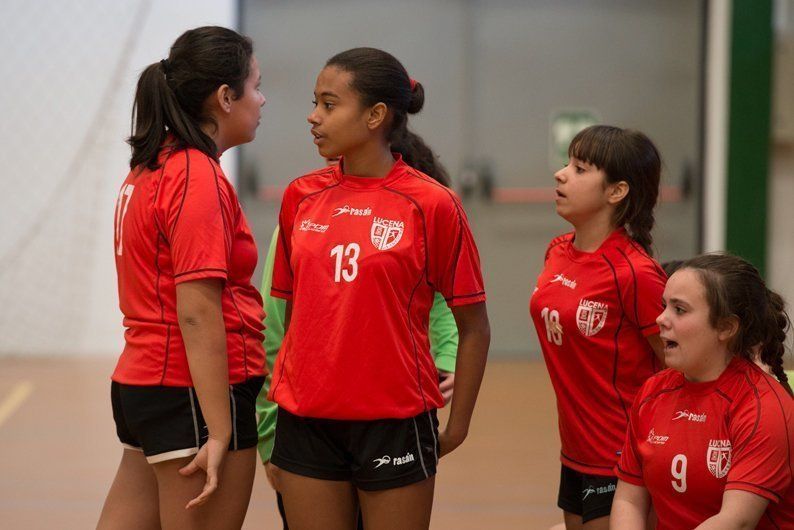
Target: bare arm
[
  {"x": 740, "y": 510},
  {"x": 630, "y": 507},
  {"x": 200, "y": 316},
  {"x": 474, "y": 338}
]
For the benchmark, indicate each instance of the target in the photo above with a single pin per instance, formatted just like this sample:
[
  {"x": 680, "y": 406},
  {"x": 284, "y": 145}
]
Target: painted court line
[{"x": 18, "y": 395}]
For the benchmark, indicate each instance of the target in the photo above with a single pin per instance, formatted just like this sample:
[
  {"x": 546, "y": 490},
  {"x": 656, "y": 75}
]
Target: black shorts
[
  {"x": 371, "y": 454},
  {"x": 165, "y": 422},
  {"x": 587, "y": 495}
]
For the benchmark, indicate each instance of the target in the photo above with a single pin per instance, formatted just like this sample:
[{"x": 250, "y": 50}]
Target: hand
[
  {"x": 210, "y": 459},
  {"x": 271, "y": 472},
  {"x": 446, "y": 385},
  {"x": 449, "y": 440}
]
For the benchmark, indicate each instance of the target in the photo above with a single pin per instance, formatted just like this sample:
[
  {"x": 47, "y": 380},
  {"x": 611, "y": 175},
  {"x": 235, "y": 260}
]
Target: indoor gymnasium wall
[{"x": 69, "y": 70}]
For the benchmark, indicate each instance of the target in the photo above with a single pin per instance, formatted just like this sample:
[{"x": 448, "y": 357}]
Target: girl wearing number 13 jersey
[
  {"x": 594, "y": 309},
  {"x": 363, "y": 247}
]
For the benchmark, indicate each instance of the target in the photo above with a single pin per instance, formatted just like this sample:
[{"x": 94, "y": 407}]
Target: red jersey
[
  {"x": 688, "y": 442},
  {"x": 179, "y": 223},
  {"x": 361, "y": 259},
  {"x": 592, "y": 313}
]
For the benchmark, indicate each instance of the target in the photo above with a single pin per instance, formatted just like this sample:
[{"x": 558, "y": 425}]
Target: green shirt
[{"x": 443, "y": 334}]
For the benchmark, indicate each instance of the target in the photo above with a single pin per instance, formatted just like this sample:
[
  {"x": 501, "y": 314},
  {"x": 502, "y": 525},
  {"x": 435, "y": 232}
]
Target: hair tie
[
  {"x": 413, "y": 83},
  {"x": 164, "y": 65}
]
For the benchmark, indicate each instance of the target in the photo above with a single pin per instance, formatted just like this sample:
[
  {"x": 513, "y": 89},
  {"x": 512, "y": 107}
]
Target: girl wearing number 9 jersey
[
  {"x": 363, "y": 247},
  {"x": 710, "y": 440},
  {"x": 594, "y": 308}
]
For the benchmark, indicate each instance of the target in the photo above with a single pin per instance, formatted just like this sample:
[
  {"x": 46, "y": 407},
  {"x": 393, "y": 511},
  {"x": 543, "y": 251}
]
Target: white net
[{"x": 64, "y": 111}]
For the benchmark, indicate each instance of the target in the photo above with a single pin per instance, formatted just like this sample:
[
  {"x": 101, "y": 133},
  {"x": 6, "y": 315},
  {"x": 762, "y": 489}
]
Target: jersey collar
[{"x": 370, "y": 183}]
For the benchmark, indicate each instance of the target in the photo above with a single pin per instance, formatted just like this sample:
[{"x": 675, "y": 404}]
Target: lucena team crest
[{"x": 385, "y": 233}]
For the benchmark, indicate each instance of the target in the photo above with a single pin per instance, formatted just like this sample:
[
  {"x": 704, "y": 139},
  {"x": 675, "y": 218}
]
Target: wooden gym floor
[{"x": 59, "y": 452}]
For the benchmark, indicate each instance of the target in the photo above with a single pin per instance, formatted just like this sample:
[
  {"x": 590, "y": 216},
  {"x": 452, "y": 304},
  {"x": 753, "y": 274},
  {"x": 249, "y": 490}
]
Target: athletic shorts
[
  {"x": 587, "y": 495},
  {"x": 165, "y": 422},
  {"x": 372, "y": 454}
]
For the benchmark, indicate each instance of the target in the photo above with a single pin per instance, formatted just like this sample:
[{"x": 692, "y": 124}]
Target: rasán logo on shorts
[
  {"x": 591, "y": 316},
  {"x": 718, "y": 457},
  {"x": 397, "y": 460},
  {"x": 385, "y": 233}
]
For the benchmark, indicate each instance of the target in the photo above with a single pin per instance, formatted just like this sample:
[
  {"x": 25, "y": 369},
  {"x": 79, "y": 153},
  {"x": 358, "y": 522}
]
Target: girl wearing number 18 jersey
[
  {"x": 363, "y": 246},
  {"x": 594, "y": 309}
]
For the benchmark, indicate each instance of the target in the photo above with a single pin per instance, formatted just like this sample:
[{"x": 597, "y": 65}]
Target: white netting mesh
[{"x": 64, "y": 112}]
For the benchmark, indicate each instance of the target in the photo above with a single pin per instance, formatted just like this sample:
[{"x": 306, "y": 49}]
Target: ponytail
[{"x": 777, "y": 325}]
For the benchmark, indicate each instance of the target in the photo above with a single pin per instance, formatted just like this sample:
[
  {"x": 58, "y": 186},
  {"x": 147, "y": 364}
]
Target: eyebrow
[
  {"x": 327, "y": 94},
  {"x": 676, "y": 301}
]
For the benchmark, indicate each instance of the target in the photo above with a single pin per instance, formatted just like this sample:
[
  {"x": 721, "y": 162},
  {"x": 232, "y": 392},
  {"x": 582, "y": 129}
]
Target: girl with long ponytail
[{"x": 184, "y": 387}]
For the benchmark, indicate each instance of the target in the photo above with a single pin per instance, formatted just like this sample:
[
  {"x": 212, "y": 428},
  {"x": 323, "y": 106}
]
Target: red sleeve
[
  {"x": 281, "y": 286},
  {"x": 761, "y": 453},
  {"x": 197, "y": 215},
  {"x": 454, "y": 264},
  {"x": 629, "y": 466},
  {"x": 643, "y": 300}
]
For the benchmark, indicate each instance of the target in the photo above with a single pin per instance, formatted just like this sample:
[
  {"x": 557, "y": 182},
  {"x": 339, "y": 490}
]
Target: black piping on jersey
[
  {"x": 561, "y": 239},
  {"x": 659, "y": 393},
  {"x": 413, "y": 342},
  {"x": 584, "y": 463},
  {"x": 286, "y": 249},
  {"x": 415, "y": 174},
  {"x": 757, "y": 412},
  {"x": 226, "y": 286},
  {"x": 200, "y": 270},
  {"x": 617, "y": 342},
  {"x": 627, "y": 473},
  {"x": 783, "y": 414},
  {"x": 426, "y": 278},
  {"x": 723, "y": 394},
  {"x": 464, "y": 296},
  {"x": 642, "y": 251},
  {"x": 184, "y": 192},
  {"x": 424, "y": 232},
  {"x": 776, "y": 495},
  {"x": 160, "y": 235},
  {"x": 281, "y": 233},
  {"x": 636, "y": 310}
]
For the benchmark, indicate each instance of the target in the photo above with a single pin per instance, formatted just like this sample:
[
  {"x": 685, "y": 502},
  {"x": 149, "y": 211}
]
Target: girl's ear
[
  {"x": 728, "y": 328},
  {"x": 377, "y": 115},
  {"x": 617, "y": 192}
]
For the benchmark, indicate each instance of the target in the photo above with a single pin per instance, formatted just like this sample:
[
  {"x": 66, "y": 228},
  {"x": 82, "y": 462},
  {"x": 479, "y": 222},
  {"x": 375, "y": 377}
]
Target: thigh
[
  {"x": 404, "y": 508},
  {"x": 132, "y": 502},
  {"x": 226, "y": 508},
  {"x": 316, "y": 504},
  {"x": 573, "y": 521}
]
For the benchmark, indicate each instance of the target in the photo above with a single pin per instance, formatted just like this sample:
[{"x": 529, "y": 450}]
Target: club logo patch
[
  {"x": 718, "y": 457},
  {"x": 590, "y": 317},
  {"x": 385, "y": 233}
]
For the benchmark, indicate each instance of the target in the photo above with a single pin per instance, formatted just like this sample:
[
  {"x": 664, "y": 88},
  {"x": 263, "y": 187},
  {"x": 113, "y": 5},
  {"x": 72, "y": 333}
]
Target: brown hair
[
  {"x": 171, "y": 93},
  {"x": 734, "y": 288},
  {"x": 630, "y": 156}
]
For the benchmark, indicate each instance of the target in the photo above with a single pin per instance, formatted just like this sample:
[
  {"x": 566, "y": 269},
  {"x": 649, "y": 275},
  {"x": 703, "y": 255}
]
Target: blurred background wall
[{"x": 508, "y": 82}]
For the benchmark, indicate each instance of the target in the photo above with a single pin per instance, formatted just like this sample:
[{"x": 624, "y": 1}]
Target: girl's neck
[
  {"x": 710, "y": 371},
  {"x": 591, "y": 234},
  {"x": 370, "y": 160}
]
